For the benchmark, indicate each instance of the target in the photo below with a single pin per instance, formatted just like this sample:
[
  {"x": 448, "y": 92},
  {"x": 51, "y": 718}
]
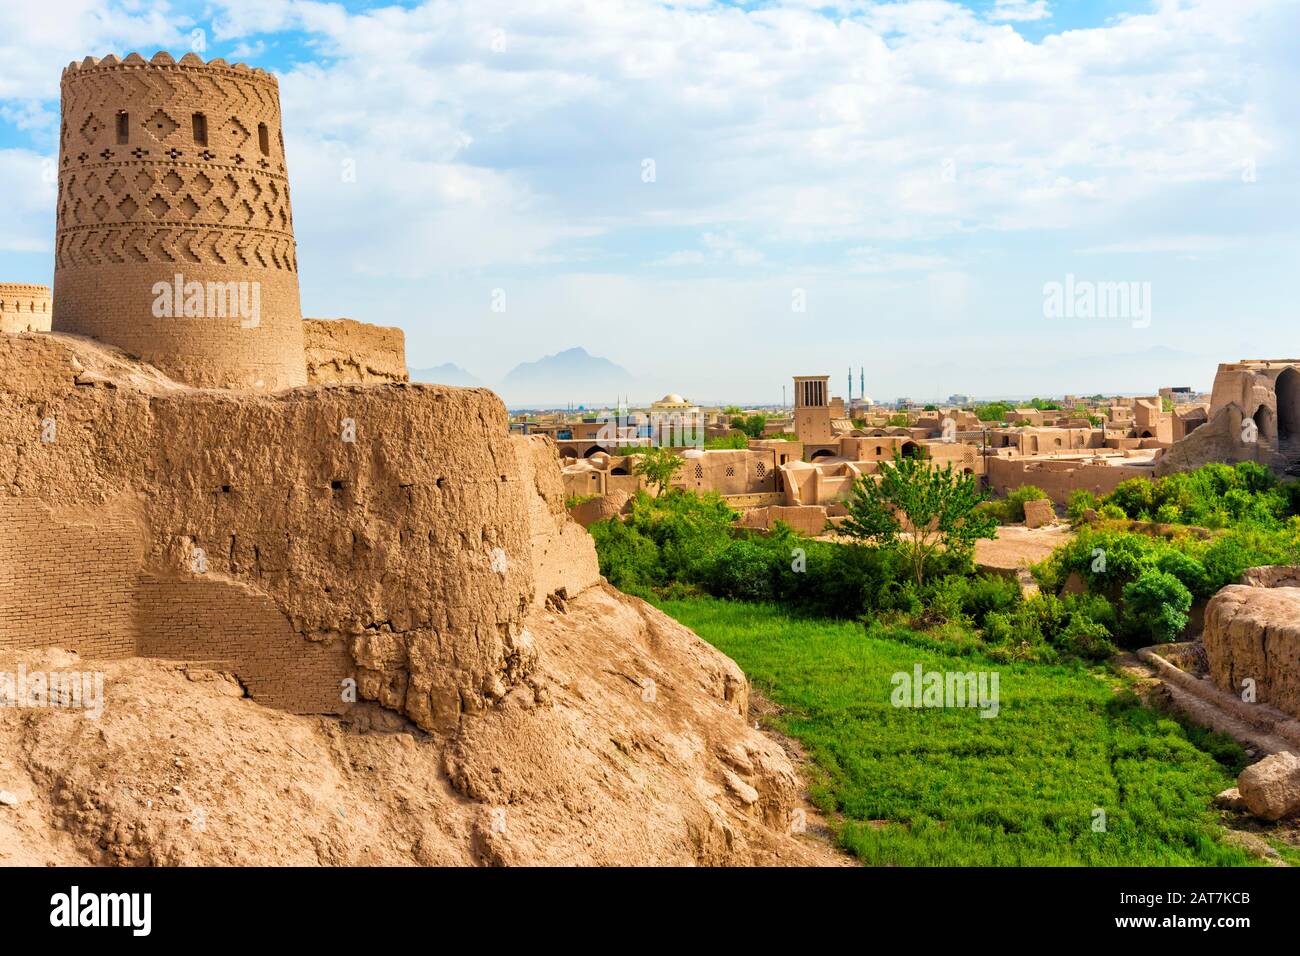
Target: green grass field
[{"x": 947, "y": 787}]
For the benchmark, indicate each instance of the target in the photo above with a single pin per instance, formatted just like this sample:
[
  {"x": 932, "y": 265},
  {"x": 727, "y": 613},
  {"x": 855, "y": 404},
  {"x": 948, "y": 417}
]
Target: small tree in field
[
  {"x": 657, "y": 466},
  {"x": 938, "y": 504}
]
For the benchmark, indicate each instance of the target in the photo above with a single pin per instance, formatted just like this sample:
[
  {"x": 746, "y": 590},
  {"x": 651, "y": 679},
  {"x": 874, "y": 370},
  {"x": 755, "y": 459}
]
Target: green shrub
[
  {"x": 1155, "y": 607},
  {"x": 1186, "y": 569},
  {"x": 1133, "y": 497},
  {"x": 1011, "y": 509},
  {"x": 1169, "y": 513},
  {"x": 1213, "y": 496},
  {"x": 1045, "y": 628},
  {"x": 1015, "y": 501},
  {"x": 628, "y": 559},
  {"x": 1080, "y": 500},
  {"x": 744, "y": 570},
  {"x": 965, "y": 598},
  {"x": 1085, "y": 638}
]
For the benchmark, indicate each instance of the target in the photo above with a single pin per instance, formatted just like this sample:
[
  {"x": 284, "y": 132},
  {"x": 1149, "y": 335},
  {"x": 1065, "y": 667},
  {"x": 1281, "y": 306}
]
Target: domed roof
[{"x": 672, "y": 398}]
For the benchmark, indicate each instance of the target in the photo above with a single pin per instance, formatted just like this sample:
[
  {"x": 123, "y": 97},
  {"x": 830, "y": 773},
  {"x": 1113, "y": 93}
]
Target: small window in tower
[
  {"x": 264, "y": 139},
  {"x": 123, "y": 128},
  {"x": 200, "y": 129}
]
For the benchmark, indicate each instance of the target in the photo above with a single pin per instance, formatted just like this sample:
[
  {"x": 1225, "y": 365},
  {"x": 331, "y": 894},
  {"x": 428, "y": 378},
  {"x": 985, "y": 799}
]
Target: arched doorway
[
  {"x": 1266, "y": 423},
  {"x": 1288, "y": 406}
]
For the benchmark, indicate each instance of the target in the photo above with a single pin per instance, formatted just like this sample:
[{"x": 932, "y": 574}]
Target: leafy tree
[
  {"x": 939, "y": 505},
  {"x": 753, "y": 426},
  {"x": 992, "y": 412},
  {"x": 899, "y": 420},
  {"x": 657, "y": 466}
]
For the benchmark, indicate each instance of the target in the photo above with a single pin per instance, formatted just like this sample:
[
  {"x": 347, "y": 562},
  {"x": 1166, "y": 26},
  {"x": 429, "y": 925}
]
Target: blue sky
[{"x": 915, "y": 172}]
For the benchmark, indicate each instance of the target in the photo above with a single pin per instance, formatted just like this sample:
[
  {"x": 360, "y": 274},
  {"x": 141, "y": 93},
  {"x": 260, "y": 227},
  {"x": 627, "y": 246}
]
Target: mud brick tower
[{"x": 175, "y": 236}]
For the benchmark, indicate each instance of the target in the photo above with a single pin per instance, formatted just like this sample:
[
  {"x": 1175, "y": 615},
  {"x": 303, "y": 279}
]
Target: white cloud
[
  {"x": 499, "y": 142},
  {"x": 871, "y": 260},
  {"x": 30, "y": 189},
  {"x": 1020, "y": 10},
  {"x": 1163, "y": 244}
]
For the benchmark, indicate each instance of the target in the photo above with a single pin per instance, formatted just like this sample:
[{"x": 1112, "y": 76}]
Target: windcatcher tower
[
  {"x": 812, "y": 409},
  {"x": 172, "y": 178}
]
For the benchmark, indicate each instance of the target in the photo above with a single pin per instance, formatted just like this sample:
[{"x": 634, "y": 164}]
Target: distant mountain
[
  {"x": 571, "y": 375},
  {"x": 446, "y": 374}
]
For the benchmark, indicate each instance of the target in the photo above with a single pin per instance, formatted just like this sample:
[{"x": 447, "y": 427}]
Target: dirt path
[{"x": 1017, "y": 547}]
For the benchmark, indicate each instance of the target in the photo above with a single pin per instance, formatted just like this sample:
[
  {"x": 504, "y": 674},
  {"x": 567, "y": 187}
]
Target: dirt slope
[{"x": 586, "y": 763}]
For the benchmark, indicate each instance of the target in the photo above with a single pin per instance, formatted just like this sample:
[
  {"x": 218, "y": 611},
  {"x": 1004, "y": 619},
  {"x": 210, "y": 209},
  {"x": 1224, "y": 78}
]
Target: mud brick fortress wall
[
  {"x": 182, "y": 487},
  {"x": 24, "y": 308},
  {"x": 247, "y": 529},
  {"x": 170, "y": 169},
  {"x": 355, "y": 353},
  {"x": 67, "y": 576},
  {"x": 1059, "y": 478}
]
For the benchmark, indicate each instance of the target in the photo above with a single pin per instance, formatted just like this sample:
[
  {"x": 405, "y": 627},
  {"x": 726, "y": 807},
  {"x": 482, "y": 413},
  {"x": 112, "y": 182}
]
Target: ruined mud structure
[
  {"x": 289, "y": 510},
  {"x": 1254, "y": 416}
]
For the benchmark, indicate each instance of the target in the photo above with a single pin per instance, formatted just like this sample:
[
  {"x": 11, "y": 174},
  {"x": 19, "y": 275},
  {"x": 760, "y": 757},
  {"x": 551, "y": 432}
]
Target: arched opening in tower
[
  {"x": 1265, "y": 422},
  {"x": 1288, "y": 406}
]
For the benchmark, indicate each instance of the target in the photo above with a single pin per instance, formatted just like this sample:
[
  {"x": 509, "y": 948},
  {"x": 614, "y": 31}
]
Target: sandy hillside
[{"x": 587, "y": 763}]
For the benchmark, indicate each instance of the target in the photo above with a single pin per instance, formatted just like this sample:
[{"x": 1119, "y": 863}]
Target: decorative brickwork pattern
[{"x": 171, "y": 170}]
